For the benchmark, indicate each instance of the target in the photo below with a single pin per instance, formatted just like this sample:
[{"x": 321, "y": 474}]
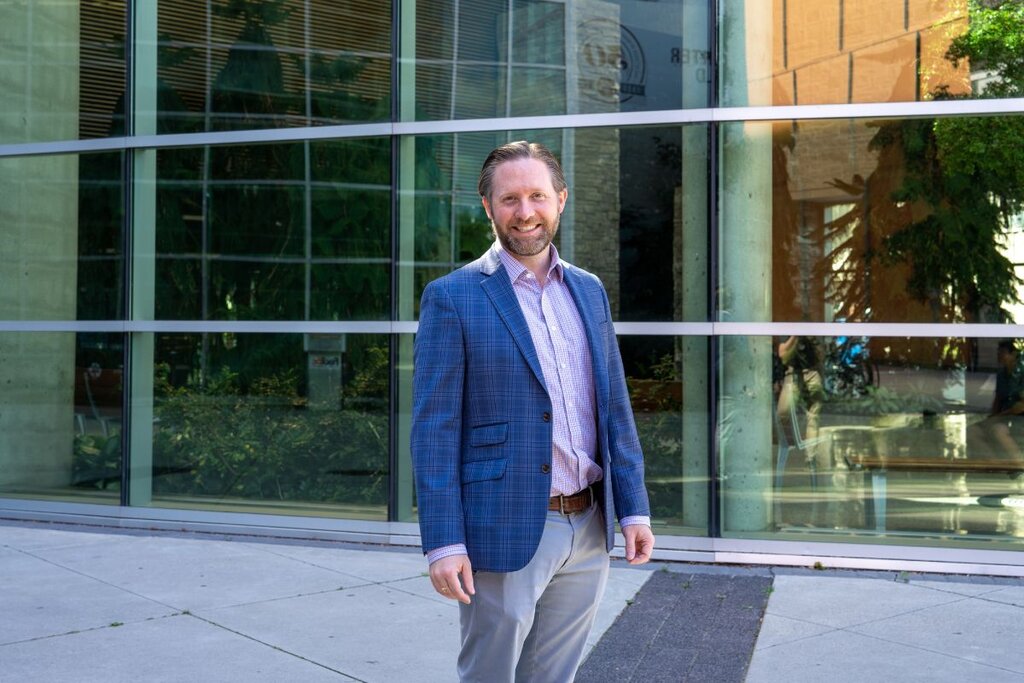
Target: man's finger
[
  {"x": 467, "y": 578},
  {"x": 630, "y": 545},
  {"x": 455, "y": 590}
]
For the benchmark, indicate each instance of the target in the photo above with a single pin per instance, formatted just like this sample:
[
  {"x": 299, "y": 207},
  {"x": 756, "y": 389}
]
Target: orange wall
[{"x": 833, "y": 52}]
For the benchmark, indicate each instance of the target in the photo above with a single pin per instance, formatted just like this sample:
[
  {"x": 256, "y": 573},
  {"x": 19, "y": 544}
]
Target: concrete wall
[{"x": 39, "y": 233}]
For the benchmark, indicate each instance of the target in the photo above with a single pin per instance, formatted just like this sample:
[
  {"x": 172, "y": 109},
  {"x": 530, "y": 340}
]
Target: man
[
  {"x": 523, "y": 439},
  {"x": 1008, "y": 401}
]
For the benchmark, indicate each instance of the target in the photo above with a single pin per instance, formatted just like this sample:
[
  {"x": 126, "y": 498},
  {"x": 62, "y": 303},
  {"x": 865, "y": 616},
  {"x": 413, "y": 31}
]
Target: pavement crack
[
  {"x": 275, "y": 647},
  {"x": 98, "y": 580},
  {"x": 942, "y": 653},
  {"x": 89, "y": 629}
]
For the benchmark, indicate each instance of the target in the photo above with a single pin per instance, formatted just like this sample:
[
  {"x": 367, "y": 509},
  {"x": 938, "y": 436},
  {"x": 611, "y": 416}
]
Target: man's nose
[{"x": 524, "y": 209}]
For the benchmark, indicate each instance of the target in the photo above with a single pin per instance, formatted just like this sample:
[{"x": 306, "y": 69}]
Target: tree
[{"x": 934, "y": 213}]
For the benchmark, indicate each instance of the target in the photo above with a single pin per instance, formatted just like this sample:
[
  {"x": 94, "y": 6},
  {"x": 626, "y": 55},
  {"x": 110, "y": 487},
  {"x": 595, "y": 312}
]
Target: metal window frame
[{"x": 880, "y": 110}]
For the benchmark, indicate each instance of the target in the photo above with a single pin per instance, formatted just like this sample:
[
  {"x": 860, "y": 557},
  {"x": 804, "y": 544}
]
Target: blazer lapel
[{"x": 500, "y": 291}]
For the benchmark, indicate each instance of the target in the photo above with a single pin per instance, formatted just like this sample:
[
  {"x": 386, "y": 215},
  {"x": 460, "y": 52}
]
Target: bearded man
[{"x": 523, "y": 441}]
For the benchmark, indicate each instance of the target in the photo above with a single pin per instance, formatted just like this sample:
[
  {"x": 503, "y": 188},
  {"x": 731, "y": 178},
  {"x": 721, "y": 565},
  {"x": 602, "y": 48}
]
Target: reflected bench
[{"x": 880, "y": 465}]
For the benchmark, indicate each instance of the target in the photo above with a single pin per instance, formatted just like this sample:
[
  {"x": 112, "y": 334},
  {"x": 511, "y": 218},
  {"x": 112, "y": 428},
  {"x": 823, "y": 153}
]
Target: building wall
[{"x": 245, "y": 296}]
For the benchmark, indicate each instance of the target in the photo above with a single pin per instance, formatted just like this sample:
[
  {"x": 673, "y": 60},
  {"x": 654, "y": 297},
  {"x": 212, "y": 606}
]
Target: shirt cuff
[
  {"x": 446, "y": 551},
  {"x": 635, "y": 519}
]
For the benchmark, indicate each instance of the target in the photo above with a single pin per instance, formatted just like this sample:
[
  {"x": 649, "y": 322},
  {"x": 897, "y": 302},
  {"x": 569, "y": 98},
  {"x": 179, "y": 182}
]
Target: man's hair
[{"x": 521, "y": 149}]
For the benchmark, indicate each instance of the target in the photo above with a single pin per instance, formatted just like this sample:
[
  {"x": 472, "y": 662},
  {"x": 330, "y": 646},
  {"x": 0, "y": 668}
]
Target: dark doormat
[{"x": 682, "y": 627}]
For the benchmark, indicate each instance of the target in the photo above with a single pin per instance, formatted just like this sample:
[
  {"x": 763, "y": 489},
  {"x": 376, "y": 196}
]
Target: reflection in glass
[
  {"x": 498, "y": 58},
  {"x": 245, "y": 65},
  {"x": 879, "y": 436},
  {"x": 293, "y": 231},
  {"x": 63, "y": 70},
  {"x": 62, "y": 257},
  {"x": 286, "y": 424},
  {"x": 636, "y": 214},
  {"x": 60, "y": 416},
  {"x": 915, "y": 220},
  {"x": 806, "y": 52},
  {"x": 671, "y": 420}
]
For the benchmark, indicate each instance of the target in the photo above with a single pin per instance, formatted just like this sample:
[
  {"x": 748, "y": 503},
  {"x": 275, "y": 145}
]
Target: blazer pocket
[
  {"x": 489, "y": 435},
  {"x": 483, "y": 470}
]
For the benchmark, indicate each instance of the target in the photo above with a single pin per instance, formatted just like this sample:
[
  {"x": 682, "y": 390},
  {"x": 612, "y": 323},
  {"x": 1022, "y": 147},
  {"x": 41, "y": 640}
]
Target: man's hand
[
  {"x": 639, "y": 543},
  {"x": 446, "y": 573}
]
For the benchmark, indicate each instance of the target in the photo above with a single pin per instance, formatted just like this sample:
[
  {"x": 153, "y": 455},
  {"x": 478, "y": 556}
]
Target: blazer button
[
  {"x": 545, "y": 468},
  {"x": 546, "y": 417}
]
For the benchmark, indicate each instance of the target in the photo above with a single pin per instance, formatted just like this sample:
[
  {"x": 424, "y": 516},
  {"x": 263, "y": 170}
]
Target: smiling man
[{"x": 523, "y": 440}]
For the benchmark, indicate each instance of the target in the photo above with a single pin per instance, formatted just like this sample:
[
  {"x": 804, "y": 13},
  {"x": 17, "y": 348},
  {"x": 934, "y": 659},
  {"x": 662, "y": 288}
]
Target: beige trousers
[{"x": 532, "y": 625}]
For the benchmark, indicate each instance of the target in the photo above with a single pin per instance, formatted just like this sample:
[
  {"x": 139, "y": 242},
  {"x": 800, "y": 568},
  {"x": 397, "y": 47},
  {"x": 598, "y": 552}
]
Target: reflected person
[
  {"x": 999, "y": 431},
  {"x": 523, "y": 441},
  {"x": 802, "y": 391},
  {"x": 799, "y": 409}
]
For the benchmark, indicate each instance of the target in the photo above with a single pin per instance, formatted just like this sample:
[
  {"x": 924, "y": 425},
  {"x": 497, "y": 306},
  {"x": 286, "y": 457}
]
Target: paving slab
[
  {"x": 975, "y": 630},
  {"x": 371, "y": 566},
  {"x": 1011, "y": 596},
  {"x": 847, "y": 657},
  {"x": 778, "y": 630},
  {"x": 38, "y": 598},
  {"x": 193, "y": 574},
  {"x": 960, "y": 587},
  {"x": 35, "y": 537},
  {"x": 841, "y": 602},
  {"x": 373, "y": 633},
  {"x": 178, "y": 648}
]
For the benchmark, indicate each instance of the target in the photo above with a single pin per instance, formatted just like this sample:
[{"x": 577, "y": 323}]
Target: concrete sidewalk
[{"x": 89, "y": 605}]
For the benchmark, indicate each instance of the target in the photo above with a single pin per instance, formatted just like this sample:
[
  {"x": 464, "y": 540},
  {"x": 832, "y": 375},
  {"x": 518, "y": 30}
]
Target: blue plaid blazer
[{"x": 481, "y": 430}]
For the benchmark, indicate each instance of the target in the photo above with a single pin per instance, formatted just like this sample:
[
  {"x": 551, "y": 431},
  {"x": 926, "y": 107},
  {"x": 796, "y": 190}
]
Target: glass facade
[{"x": 219, "y": 217}]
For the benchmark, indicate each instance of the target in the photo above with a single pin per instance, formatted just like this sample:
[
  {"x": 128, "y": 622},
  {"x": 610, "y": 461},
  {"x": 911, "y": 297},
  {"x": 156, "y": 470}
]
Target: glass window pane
[
  {"x": 291, "y": 231},
  {"x": 231, "y": 66},
  {"x": 62, "y": 70},
  {"x": 280, "y": 424},
  {"x": 881, "y": 439},
  {"x": 636, "y": 215},
  {"x": 668, "y": 390},
  {"x": 62, "y": 219},
  {"x": 496, "y": 58},
  {"x": 60, "y": 416},
  {"x": 808, "y": 52},
  {"x": 912, "y": 220}
]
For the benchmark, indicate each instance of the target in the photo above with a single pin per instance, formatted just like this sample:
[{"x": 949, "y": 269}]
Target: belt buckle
[{"x": 561, "y": 504}]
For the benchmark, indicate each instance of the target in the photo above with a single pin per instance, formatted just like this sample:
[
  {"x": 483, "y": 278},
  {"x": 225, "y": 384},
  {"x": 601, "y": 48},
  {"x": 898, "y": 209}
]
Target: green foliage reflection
[{"x": 262, "y": 441}]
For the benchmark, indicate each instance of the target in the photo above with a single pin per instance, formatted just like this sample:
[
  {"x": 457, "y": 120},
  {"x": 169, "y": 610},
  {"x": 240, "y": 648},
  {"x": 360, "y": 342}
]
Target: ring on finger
[{"x": 445, "y": 589}]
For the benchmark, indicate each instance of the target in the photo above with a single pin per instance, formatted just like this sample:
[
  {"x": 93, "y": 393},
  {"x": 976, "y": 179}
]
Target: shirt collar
[{"x": 516, "y": 269}]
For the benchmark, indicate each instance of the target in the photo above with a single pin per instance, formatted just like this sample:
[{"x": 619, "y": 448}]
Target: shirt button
[
  {"x": 545, "y": 468},
  {"x": 546, "y": 417}
]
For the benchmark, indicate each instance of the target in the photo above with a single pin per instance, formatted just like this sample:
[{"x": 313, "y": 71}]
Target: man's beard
[{"x": 527, "y": 246}]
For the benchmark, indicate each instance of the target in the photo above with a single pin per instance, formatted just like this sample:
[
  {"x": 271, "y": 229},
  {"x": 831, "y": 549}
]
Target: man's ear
[
  {"x": 562, "y": 197},
  {"x": 487, "y": 206}
]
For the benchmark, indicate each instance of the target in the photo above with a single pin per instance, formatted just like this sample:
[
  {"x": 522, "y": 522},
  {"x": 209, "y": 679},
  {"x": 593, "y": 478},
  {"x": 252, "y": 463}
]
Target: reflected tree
[{"x": 929, "y": 224}]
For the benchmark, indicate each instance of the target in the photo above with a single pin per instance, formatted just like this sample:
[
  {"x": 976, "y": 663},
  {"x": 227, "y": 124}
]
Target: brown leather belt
[{"x": 577, "y": 502}]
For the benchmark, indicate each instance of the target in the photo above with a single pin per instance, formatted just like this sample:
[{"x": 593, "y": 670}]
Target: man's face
[{"x": 524, "y": 207}]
